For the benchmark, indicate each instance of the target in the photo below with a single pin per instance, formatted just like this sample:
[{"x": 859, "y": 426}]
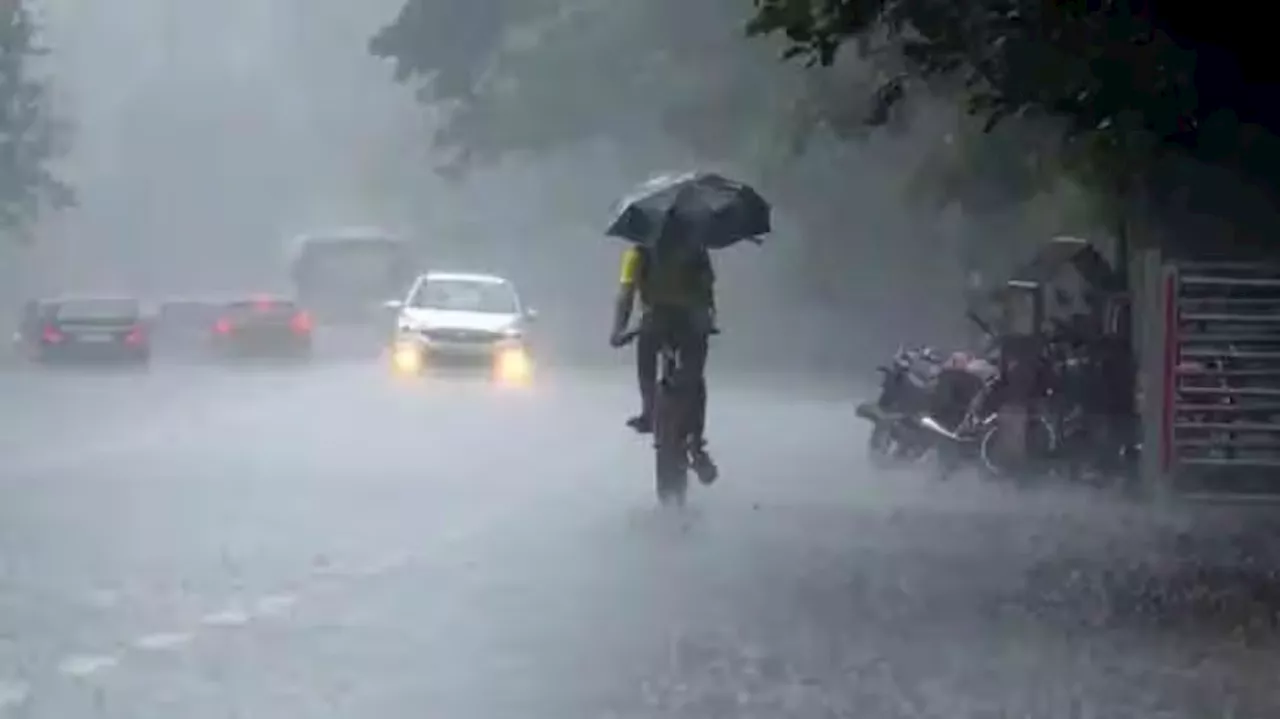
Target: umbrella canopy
[{"x": 713, "y": 211}]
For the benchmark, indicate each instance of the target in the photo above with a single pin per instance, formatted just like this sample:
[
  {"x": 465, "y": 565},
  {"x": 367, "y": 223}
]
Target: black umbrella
[{"x": 716, "y": 211}]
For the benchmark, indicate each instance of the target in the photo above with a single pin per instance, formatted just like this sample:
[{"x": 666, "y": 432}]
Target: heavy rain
[{"x": 322, "y": 395}]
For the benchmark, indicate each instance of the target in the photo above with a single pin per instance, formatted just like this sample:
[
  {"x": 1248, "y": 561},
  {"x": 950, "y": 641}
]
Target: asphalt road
[{"x": 327, "y": 542}]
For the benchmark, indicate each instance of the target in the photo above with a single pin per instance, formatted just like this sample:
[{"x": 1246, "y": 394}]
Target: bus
[{"x": 344, "y": 276}]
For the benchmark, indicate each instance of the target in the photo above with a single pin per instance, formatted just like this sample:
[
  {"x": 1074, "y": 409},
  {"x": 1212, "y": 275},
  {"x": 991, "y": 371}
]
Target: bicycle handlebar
[{"x": 630, "y": 335}]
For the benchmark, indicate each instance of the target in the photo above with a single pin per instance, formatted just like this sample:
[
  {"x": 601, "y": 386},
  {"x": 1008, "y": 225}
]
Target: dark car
[
  {"x": 262, "y": 327},
  {"x": 85, "y": 329}
]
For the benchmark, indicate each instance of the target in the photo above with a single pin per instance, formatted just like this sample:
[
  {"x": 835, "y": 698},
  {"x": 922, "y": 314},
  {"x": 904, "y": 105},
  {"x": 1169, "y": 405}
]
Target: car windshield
[
  {"x": 463, "y": 295},
  {"x": 104, "y": 309}
]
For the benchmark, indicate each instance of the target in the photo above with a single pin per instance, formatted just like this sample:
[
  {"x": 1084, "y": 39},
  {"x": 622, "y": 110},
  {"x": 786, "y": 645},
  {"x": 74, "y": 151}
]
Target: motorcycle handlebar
[{"x": 981, "y": 324}]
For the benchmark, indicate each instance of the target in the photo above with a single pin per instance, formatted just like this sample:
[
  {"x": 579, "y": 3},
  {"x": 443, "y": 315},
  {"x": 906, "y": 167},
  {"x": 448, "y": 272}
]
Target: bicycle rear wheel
[{"x": 671, "y": 449}]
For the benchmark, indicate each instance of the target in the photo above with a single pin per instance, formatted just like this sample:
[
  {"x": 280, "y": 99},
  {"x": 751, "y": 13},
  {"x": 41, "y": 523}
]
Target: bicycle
[{"x": 671, "y": 432}]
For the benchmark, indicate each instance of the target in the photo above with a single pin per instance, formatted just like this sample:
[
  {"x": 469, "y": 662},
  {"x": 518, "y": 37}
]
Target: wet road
[{"x": 325, "y": 542}]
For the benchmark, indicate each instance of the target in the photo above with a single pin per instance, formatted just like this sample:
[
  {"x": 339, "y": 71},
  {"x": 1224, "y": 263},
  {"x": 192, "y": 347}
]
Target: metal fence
[{"x": 1213, "y": 357}]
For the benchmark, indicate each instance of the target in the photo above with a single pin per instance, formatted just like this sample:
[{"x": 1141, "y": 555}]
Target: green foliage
[
  {"x": 29, "y": 135},
  {"x": 1119, "y": 85},
  {"x": 564, "y": 71},
  {"x": 560, "y": 72}
]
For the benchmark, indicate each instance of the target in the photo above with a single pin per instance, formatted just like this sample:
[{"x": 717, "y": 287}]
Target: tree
[
  {"x": 30, "y": 137},
  {"x": 559, "y": 72},
  {"x": 1138, "y": 92}
]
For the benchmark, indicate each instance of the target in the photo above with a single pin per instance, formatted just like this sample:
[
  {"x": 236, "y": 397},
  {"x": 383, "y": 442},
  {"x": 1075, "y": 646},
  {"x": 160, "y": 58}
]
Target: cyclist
[{"x": 675, "y": 283}]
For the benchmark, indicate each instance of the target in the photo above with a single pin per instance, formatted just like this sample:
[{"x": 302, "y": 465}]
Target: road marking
[
  {"x": 86, "y": 665},
  {"x": 159, "y": 642},
  {"x": 13, "y": 694},
  {"x": 225, "y": 618},
  {"x": 274, "y": 604},
  {"x": 83, "y": 666}
]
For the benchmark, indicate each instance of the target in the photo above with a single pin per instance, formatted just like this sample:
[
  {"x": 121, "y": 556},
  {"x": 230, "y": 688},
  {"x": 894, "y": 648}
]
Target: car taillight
[
  {"x": 135, "y": 336},
  {"x": 301, "y": 323},
  {"x": 51, "y": 335},
  {"x": 222, "y": 326}
]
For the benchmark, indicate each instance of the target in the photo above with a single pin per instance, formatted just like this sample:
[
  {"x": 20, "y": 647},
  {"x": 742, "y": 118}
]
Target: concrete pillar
[
  {"x": 1020, "y": 354},
  {"x": 1155, "y": 306}
]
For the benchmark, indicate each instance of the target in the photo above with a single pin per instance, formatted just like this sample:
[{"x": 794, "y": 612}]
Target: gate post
[
  {"x": 1020, "y": 362},
  {"x": 1156, "y": 305}
]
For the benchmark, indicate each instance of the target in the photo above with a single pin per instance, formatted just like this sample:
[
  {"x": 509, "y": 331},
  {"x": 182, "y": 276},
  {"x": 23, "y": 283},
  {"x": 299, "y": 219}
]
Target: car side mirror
[
  {"x": 393, "y": 305},
  {"x": 531, "y": 314}
]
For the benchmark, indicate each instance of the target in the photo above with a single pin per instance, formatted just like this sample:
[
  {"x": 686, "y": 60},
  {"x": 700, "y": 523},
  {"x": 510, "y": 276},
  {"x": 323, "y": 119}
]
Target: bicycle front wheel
[{"x": 671, "y": 448}]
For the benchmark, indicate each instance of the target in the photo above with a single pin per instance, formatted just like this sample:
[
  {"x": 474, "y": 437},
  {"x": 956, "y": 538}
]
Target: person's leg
[
  {"x": 647, "y": 380},
  {"x": 693, "y": 361}
]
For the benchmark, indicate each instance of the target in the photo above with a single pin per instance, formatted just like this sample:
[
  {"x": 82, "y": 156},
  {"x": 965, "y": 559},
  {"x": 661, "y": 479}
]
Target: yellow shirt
[
  {"x": 674, "y": 286},
  {"x": 631, "y": 260}
]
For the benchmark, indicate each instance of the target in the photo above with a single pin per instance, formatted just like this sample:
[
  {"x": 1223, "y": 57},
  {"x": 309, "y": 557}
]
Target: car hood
[{"x": 421, "y": 319}]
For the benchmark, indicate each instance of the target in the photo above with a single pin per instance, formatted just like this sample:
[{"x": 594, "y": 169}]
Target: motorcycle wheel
[
  {"x": 886, "y": 451},
  {"x": 1043, "y": 440},
  {"x": 949, "y": 460},
  {"x": 880, "y": 446}
]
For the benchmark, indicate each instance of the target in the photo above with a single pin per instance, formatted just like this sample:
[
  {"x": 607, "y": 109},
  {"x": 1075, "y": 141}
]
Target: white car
[{"x": 462, "y": 318}]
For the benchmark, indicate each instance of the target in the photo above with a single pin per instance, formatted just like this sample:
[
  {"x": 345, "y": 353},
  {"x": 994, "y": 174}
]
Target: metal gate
[{"x": 1221, "y": 422}]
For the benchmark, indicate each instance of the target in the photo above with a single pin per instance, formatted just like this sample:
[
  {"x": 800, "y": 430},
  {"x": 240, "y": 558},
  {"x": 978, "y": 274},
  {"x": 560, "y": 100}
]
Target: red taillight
[
  {"x": 135, "y": 337},
  {"x": 51, "y": 335},
  {"x": 301, "y": 323},
  {"x": 222, "y": 326}
]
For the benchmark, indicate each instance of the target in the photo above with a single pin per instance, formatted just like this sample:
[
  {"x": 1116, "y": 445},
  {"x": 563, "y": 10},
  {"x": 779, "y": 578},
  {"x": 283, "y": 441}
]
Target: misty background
[{"x": 206, "y": 134}]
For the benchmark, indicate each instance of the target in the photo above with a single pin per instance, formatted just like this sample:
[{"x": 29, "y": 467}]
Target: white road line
[
  {"x": 86, "y": 665},
  {"x": 162, "y": 641},
  {"x": 225, "y": 618},
  {"x": 274, "y": 604},
  {"x": 13, "y": 694}
]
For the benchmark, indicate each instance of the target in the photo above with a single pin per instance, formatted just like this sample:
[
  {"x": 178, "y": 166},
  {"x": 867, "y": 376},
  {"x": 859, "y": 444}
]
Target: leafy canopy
[
  {"x": 29, "y": 136},
  {"x": 540, "y": 74},
  {"x": 535, "y": 75},
  {"x": 1131, "y": 84}
]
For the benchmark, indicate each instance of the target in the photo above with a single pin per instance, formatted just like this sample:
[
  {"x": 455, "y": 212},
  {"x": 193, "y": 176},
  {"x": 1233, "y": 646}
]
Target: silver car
[{"x": 463, "y": 319}]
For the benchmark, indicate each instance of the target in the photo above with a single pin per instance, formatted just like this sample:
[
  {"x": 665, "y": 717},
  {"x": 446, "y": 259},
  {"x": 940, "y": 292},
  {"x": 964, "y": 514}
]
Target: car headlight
[
  {"x": 512, "y": 333},
  {"x": 512, "y": 366},
  {"x": 406, "y": 357}
]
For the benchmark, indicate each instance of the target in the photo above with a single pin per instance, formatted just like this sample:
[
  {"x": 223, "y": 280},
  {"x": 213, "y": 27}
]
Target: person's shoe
[
  {"x": 641, "y": 423},
  {"x": 702, "y": 464}
]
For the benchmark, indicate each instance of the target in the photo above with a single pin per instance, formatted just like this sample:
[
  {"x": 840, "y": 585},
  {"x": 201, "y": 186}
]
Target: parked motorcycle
[
  {"x": 907, "y": 385},
  {"x": 1091, "y": 412},
  {"x": 930, "y": 402},
  {"x": 1076, "y": 431},
  {"x": 965, "y": 423}
]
